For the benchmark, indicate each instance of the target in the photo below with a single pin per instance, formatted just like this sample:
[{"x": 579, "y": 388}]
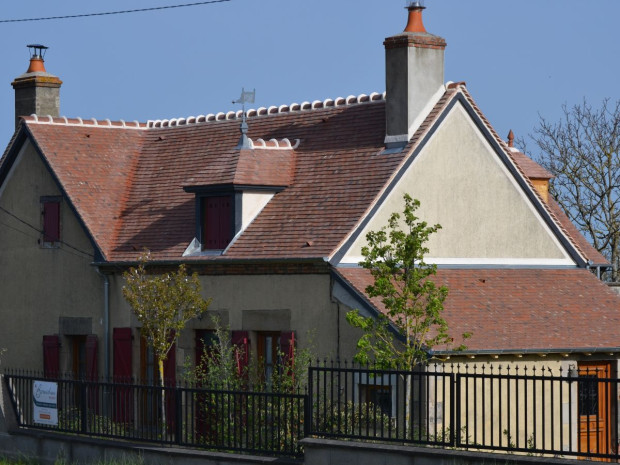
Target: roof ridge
[
  {"x": 92, "y": 122},
  {"x": 272, "y": 110},
  {"x": 221, "y": 116}
]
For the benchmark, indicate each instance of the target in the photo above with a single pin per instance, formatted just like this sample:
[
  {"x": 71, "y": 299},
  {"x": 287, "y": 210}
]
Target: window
[
  {"x": 206, "y": 347},
  {"x": 379, "y": 396},
  {"x": 268, "y": 344},
  {"x": 50, "y": 211},
  {"x": 275, "y": 351},
  {"x": 378, "y": 390},
  {"x": 217, "y": 222}
]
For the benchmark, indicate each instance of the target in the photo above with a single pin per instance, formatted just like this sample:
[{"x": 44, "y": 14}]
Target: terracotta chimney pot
[
  {"x": 36, "y": 65},
  {"x": 414, "y": 23}
]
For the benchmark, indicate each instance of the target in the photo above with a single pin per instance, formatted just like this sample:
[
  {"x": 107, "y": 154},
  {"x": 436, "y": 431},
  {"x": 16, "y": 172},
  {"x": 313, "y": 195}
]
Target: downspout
[{"x": 106, "y": 325}]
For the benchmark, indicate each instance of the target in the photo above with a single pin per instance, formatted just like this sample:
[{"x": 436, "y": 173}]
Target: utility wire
[
  {"x": 138, "y": 10},
  {"x": 39, "y": 232}
]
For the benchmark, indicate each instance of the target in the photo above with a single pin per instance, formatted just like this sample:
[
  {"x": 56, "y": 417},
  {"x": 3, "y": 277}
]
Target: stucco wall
[
  {"x": 299, "y": 303},
  {"x": 463, "y": 186},
  {"x": 39, "y": 285}
]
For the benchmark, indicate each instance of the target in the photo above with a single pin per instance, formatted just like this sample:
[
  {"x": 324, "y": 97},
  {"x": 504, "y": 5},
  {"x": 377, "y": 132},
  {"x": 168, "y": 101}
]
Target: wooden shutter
[
  {"x": 170, "y": 375},
  {"x": 241, "y": 341},
  {"x": 170, "y": 364},
  {"x": 51, "y": 356},
  {"x": 123, "y": 399},
  {"x": 287, "y": 347},
  {"x": 51, "y": 221},
  {"x": 217, "y": 220},
  {"x": 122, "y": 354},
  {"x": 92, "y": 372}
]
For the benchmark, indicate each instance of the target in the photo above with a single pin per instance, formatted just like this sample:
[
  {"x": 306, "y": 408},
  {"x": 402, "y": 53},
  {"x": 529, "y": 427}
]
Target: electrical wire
[
  {"x": 39, "y": 232},
  {"x": 137, "y": 10}
]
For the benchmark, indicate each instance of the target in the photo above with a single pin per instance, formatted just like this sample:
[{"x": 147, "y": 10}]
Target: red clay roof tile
[{"x": 522, "y": 309}]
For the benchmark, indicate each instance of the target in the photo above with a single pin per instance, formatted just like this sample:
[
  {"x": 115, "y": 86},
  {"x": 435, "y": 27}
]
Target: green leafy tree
[
  {"x": 163, "y": 304},
  {"x": 413, "y": 302},
  {"x": 412, "y": 324}
]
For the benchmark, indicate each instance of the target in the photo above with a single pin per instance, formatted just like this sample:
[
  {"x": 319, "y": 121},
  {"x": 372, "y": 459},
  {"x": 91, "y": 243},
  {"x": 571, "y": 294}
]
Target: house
[{"x": 271, "y": 209}]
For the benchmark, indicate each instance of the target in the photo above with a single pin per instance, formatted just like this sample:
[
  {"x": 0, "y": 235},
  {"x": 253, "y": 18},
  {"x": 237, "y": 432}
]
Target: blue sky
[{"x": 519, "y": 59}]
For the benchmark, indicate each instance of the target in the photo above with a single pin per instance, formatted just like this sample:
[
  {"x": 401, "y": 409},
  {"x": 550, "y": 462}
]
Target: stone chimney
[
  {"x": 414, "y": 73},
  {"x": 36, "y": 91}
]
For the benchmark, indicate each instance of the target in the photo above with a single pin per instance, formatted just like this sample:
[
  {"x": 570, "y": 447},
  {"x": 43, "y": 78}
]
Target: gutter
[{"x": 482, "y": 352}]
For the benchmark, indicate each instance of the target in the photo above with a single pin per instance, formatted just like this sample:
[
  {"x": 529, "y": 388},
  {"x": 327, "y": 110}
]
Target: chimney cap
[
  {"x": 415, "y": 4},
  {"x": 37, "y": 50}
]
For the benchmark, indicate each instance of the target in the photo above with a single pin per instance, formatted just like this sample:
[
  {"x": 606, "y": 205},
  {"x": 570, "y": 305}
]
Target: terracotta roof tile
[
  {"x": 522, "y": 309},
  {"x": 126, "y": 179}
]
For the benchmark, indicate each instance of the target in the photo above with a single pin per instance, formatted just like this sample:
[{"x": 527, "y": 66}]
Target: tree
[
  {"x": 412, "y": 325},
  {"x": 582, "y": 151},
  {"x": 163, "y": 304}
]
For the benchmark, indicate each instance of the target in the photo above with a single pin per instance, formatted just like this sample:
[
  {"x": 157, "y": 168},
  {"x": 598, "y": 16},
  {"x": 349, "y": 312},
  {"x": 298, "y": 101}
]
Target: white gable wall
[{"x": 462, "y": 184}]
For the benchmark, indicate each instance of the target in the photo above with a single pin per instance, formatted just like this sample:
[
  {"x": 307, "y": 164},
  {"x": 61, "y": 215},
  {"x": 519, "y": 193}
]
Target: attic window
[
  {"x": 217, "y": 222},
  {"x": 50, "y": 213}
]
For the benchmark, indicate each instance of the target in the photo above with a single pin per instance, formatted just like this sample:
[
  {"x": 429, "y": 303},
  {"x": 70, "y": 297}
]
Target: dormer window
[
  {"x": 222, "y": 212},
  {"x": 217, "y": 222}
]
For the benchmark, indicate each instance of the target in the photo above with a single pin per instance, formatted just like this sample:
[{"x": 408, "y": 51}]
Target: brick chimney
[
  {"x": 414, "y": 73},
  {"x": 36, "y": 91}
]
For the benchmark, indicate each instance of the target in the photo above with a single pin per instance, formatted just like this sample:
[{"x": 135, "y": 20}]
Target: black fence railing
[
  {"x": 252, "y": 422},
  {"x": 525, "y": 410},
  {"x": 531, "y": 411}
]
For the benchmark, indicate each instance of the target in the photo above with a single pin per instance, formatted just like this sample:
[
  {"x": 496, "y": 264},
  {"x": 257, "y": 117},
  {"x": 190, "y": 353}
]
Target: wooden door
[{"x": 594, "y": 408}]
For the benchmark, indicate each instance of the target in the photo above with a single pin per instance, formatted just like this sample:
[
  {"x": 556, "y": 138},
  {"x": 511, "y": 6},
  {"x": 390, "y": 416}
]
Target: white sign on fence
[{"x": 45, "y": 401}]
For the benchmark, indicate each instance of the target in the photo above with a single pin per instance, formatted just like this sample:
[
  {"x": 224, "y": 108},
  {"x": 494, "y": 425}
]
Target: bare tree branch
[{"x": 582, "y": 151}]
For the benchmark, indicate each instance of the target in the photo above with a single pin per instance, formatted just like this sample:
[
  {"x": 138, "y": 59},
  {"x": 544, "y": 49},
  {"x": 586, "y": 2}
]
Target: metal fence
[
  {"x": 254, "y": 422},
  {"x": 534, "y": 412},
  {"x": 529, "y": 411}
]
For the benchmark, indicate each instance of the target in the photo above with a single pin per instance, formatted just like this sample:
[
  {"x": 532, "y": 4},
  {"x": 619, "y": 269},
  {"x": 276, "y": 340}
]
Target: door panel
[{"x": 594, "y": 408}]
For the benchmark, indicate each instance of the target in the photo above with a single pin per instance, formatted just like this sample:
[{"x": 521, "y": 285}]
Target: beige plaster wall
[
  {"x": 253, "y": 203},
  {"x": 462, "y": 185},
  {"x": 38, "y": 285},
  {"x": 253, "y": 303}
]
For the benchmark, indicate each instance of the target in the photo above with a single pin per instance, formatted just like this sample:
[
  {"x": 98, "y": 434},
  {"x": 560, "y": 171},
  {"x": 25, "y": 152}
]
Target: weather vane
[{"x": 246, "y": 97}]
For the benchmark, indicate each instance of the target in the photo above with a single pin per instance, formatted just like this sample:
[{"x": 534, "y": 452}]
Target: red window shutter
[
  {"x": 241, "y": 341},
  {"x": 217, "y": 217},
  {"x": 287, "y": 347},
  {"x": 51, "y": 356},
  {"x": 123, "y": 399},
  {"x": 51, "y": 221},
  {"x": 92, "y": 372},
  {"x": 225, "y": 218},
  {"x": 170, "y": 364},
  {"x": 122, "y": 354}
]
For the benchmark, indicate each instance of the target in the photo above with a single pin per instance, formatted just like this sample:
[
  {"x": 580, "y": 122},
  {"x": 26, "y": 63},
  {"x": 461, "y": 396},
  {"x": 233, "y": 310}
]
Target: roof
[
  {"x": 132, "y": 184},
  {"x": 521, "y": 310}
]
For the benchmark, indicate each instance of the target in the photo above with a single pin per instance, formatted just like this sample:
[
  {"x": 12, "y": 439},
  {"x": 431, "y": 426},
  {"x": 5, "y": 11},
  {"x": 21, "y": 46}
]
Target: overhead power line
[{"x": 137, "y": 10}]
